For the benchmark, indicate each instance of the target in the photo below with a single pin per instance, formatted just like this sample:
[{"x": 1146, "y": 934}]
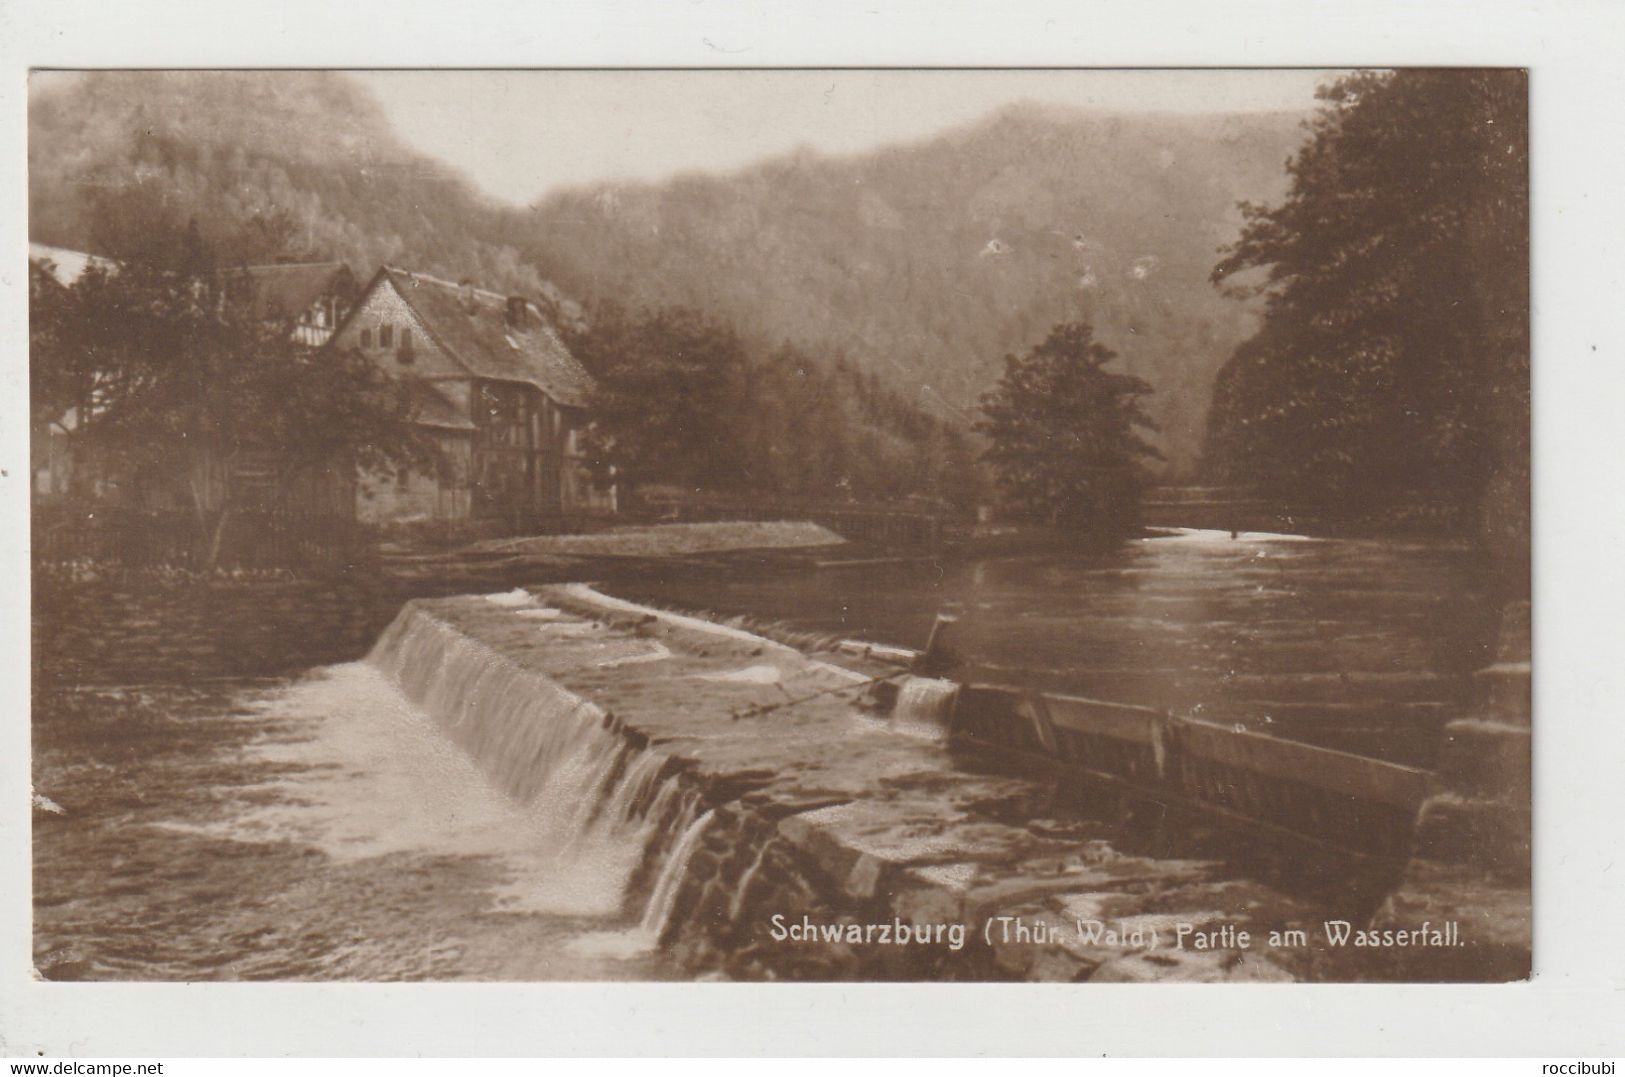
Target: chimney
[
  {"x": 516, "y": 311},
  {"x": 466, "y": 289}
]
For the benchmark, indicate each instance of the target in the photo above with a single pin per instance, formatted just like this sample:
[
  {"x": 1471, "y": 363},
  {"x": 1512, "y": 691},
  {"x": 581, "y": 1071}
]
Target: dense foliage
[
  {"x": 920, "y": 263},
  {"x": 231, "y": 150},
  {"x": 304, "y": 165},
  {"x": 683, "y": 400},
  {"x": 925, "y": 263},
  {"x": 1391, "y": 371},
  {"x": 162, "y": 377},
  {"x": 1066, "y": 433}
]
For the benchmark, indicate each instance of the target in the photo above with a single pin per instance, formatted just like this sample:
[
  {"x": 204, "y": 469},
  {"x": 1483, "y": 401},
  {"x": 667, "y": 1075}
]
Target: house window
[
  {"x": 386, "y": 335},
  {"x": 405, "y": 354},
  {"x": 366, "y": 338}
]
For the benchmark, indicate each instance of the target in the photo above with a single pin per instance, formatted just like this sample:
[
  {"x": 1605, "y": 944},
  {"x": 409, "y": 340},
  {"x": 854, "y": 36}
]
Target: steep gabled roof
[
  {"x": 289, "y": 289},
  {"x": 67, "y": 266},
  {"x": 472, "y": 325}
]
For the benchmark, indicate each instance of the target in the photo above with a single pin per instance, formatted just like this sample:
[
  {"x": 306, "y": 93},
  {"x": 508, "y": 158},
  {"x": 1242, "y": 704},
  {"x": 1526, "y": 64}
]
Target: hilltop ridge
[{"x": 924, "y": 262}]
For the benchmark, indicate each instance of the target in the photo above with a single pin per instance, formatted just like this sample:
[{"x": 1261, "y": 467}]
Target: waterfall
[
  {"x": 924, "y": 706},
  {"x": 601, "y": 806},
  {"x": 662, "y": 902},
  {"x": 663, "y": 898}
]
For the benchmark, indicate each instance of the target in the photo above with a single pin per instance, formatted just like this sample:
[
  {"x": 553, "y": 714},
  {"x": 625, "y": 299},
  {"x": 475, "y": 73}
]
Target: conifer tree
[{"x": 1065, "y": 433}]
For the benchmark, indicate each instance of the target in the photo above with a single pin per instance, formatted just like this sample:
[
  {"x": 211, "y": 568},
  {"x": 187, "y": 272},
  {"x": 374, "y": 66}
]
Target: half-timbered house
[
  {"x": 500, "y": 394},
  {"x": 313, "y": 297}
]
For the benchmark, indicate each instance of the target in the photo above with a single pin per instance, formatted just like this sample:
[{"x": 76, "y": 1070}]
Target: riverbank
[
  {"x": 103, "y": 624},
  {"x": 813, "y": 813},
  {"x": 166, "y": 805},
  {"x": 287, "y": 829},
  {"x": 175, "y": 725}
]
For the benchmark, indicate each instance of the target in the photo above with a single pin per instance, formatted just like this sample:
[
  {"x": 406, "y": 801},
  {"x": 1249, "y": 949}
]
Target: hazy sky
[{"x": 520, "y": 134}]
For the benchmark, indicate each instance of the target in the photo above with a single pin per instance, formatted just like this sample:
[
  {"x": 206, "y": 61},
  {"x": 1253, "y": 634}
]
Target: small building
[
  {"x": 500, "y": 394},
  {"x": 89, "y": 499},
  {"x": 314, "y": 296},
  {"x": 52, "y": 459},
  {"x": 311, "y": 298},
  {"x": 67, "y": 266}
]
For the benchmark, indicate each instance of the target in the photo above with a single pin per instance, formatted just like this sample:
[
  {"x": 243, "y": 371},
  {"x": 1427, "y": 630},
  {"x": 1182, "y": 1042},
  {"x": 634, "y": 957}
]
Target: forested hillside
[
  {"x": 930, "y": 262},
  {"x": 924, "y": 264},
  {"x": 229, "y": 150}
]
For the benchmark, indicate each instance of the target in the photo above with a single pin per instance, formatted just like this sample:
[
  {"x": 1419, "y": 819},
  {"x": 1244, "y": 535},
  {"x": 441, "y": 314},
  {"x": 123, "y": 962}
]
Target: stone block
[
  {"x": 1492, "y": 835},
  {"x": 1188, "y": 966},
  {"x": 1495, "y": 927},
  {"x": 1487, "y": 759}
]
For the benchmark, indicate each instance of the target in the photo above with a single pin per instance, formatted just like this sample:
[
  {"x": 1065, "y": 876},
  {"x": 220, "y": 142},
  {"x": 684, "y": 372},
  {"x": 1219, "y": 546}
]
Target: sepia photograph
[{"x": 884, "y": 525}]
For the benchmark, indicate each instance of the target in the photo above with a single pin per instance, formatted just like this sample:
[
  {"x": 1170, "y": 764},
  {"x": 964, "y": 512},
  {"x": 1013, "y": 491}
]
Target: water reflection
[{"x": 1366, "y": 646}]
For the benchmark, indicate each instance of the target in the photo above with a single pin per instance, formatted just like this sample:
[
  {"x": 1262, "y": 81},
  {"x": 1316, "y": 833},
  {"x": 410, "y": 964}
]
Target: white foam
[
  {"x": 748, "y": 675},
  {"x": 598, "y": 598},
  {"x": 1205, "y": 535},
  {"x": 658, "y": 652},
  {"x": 517, "y": 597},
  {"x": 543, "y": 613}
]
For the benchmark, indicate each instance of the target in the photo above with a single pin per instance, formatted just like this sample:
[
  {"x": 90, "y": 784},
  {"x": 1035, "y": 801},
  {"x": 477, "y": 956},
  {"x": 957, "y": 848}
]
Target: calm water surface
[
  {"x": 1361, "y": 645},
  {"x": 325, "y": 828}
]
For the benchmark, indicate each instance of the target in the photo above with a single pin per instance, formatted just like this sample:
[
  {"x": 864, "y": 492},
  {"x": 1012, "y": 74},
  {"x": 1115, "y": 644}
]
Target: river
[
  {"x": 325, "y": 826},
  {"x": 1362, "y": 645}
]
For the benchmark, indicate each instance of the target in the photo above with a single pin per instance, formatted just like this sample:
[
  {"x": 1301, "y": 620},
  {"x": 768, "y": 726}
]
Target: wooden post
[{"x": 938, "y": 657}]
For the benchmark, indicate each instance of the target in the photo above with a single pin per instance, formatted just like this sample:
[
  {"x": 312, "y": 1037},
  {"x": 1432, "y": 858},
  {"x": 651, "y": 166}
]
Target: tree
[
  {"x": 683, "y": 399},
  {"x": 669, "y": 398},
  {"x": 175, "y": 379},
  {"x": 1065, "y": 433},
  {"x": 1391, "y": 368},
  {"x": 57, "y": 383}
]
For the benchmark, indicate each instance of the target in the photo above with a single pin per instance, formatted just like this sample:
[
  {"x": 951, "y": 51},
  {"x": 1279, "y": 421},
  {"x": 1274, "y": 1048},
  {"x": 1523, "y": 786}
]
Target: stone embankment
[
  {"x": 818, "y": 818},
  {"x": 1472, "y": 855}
]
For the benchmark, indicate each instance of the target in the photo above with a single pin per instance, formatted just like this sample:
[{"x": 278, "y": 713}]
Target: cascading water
[
  {"x": 924, "y": 707},
  {"x": 663, "y": 898},
  {"x": 603, "y": 807}
]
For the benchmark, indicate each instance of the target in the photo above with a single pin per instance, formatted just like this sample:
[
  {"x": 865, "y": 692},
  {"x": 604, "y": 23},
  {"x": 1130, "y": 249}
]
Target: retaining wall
[{"x": 822, "y": 816}]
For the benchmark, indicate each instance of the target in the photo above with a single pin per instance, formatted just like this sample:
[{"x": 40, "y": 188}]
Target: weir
[
  {"x": 610, "y": 803},
  {"x": 723, "y": 778},
  {"x": 924, "y": 706},
  {"x": 1348, "y": 801},
  {"x": 657, "y": 914}
]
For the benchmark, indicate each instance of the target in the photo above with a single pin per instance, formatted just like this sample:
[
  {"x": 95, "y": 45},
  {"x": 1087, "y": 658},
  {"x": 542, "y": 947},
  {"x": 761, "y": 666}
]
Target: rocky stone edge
[
  {"x": 1474, "y": 836},
  {"x": 764, "y": 853}
]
